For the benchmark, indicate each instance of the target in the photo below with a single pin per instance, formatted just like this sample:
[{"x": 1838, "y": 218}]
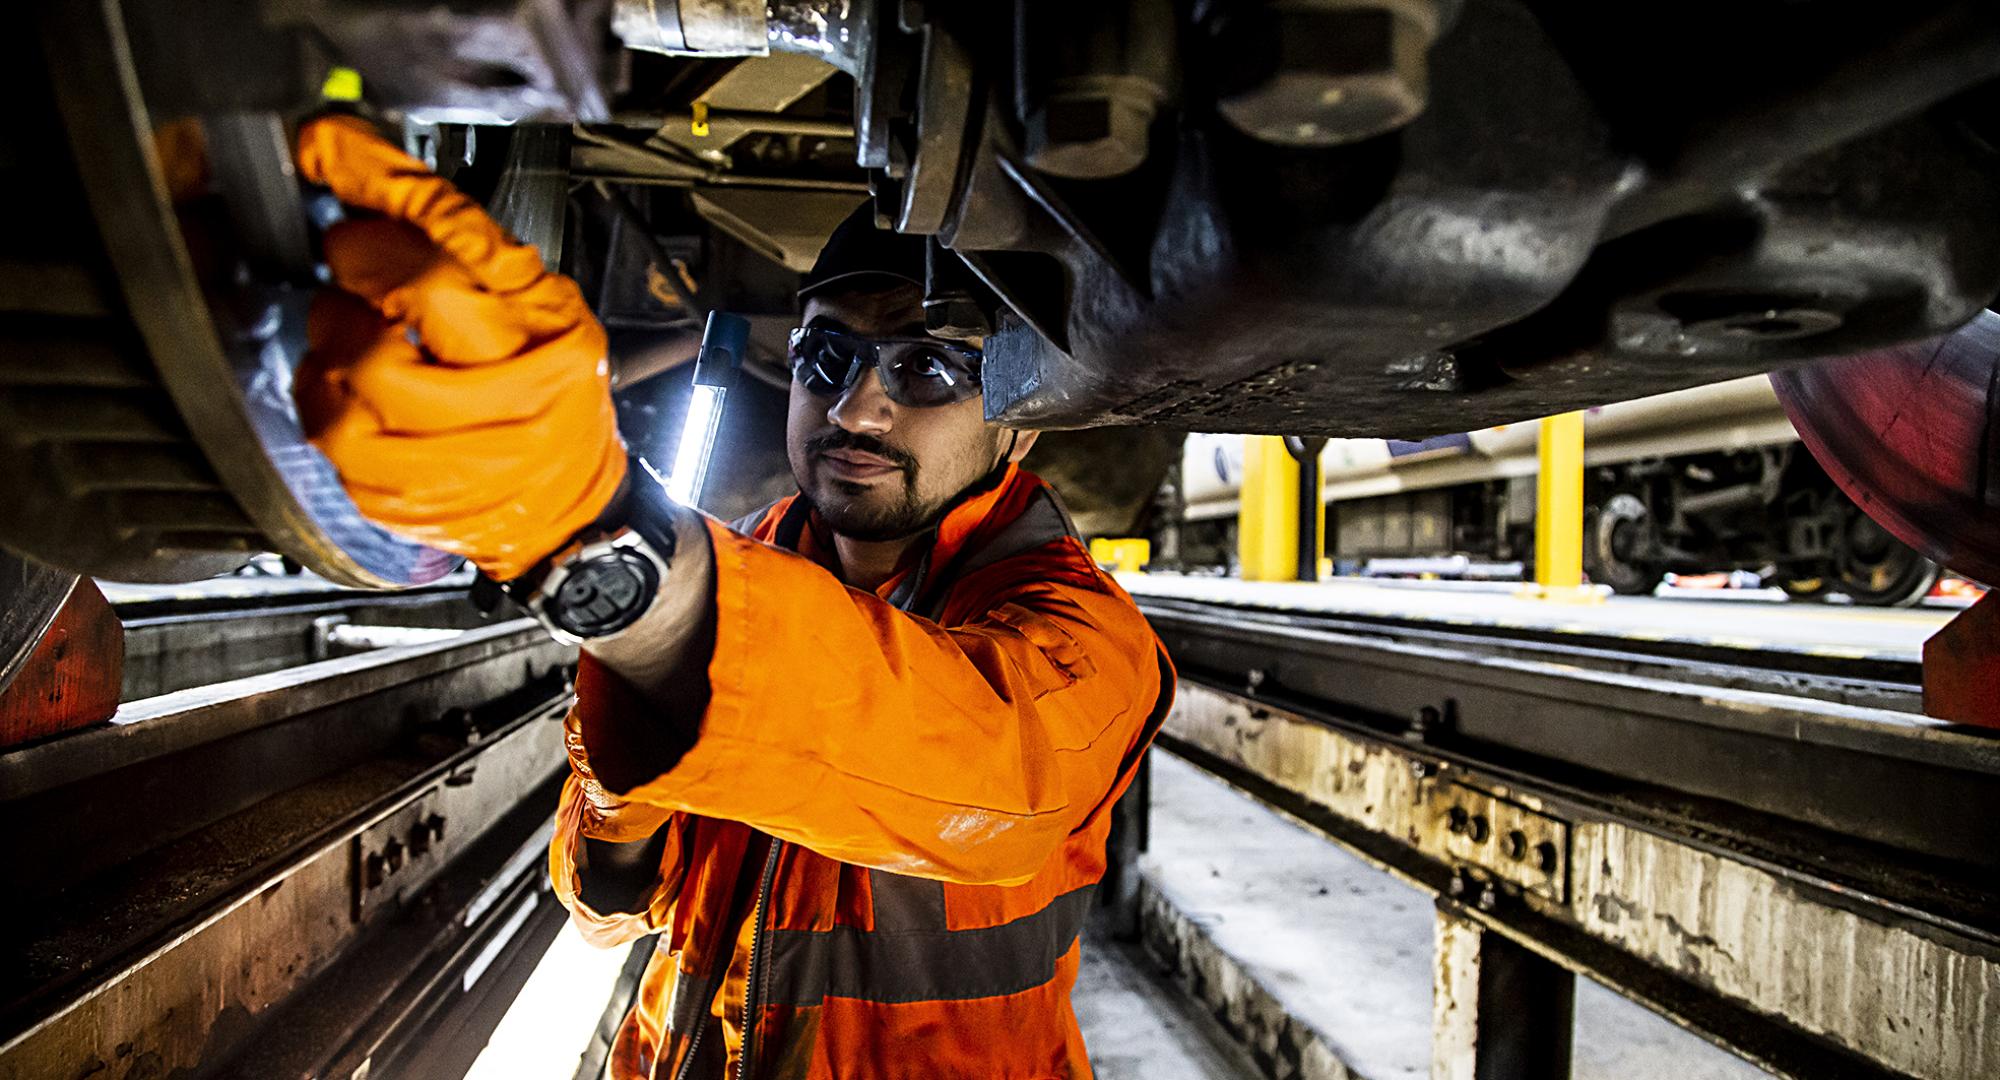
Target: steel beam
[
  {"x": 1771, "y": 953},
  {"x": 191, "y": 868},
  {"x": 1499, "y": 1011},
  {"x": 1788, "y": 758}
]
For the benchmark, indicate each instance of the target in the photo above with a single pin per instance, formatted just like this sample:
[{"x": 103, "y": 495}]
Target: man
[{"x": 859, "y": 788}]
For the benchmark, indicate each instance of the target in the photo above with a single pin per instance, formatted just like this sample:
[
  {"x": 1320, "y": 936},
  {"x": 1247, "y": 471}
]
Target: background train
[{"x": 1695, "y": 481}]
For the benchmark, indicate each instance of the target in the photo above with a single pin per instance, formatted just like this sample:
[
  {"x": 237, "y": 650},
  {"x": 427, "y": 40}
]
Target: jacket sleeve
[
  {"x": 964, "y": 753},
  {"x": 588, "y": 811}
]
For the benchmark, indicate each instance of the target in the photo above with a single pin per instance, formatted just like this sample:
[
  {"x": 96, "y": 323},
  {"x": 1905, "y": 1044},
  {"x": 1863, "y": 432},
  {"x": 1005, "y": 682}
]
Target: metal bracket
[
  {"x": 1502, "y": 838},
  {"x": 398, "y": 853}
]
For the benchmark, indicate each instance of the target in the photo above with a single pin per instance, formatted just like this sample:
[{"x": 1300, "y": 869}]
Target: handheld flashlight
[{"x": 722, "y": 343}]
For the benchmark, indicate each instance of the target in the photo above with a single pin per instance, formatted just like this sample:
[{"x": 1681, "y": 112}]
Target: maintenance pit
[
  {"x": 1557, "y": 445},
  {"x": 1386, "y": 829}
]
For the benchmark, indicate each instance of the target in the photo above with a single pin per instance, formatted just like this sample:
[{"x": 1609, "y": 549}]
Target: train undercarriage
[
  {"x": 1298, "y": 217},
  {"x": 308, "y": 843}
]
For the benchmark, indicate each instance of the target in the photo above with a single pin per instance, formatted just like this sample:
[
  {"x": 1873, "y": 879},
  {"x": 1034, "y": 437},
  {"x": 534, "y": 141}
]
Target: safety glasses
[{"x": 916, "y": 372}]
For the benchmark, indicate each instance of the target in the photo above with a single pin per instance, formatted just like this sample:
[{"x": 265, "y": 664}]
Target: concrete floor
[
  {"x": 1344, "y": 951},
  {"x": 1138, "y": 1026},
  {"x": 1815, "y": 629}
]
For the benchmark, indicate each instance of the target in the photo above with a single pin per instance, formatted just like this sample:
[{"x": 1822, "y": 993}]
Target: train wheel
[
  {"x": 1805, "y": 588},
  {"x": 1910, "y": 433},
  {"x": 1615, "y": 537},
  {"x": 1873, "y": 567}
]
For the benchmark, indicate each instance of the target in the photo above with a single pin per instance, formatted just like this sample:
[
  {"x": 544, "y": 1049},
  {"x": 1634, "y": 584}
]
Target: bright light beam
[
  {"x": 722, "y": 345},
  {"x": 697, "y": 443}
]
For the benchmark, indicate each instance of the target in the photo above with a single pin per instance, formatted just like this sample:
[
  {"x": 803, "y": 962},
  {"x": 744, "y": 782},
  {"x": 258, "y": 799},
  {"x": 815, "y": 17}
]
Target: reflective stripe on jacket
[{"x": 938, "y": 788}]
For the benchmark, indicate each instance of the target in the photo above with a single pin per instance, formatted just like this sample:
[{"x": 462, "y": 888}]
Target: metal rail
[
  {"x": 352, "y": 834},
  {"x": 1874, "y": 681},
  {"x": 1795, "y": 880},
  {"x": 173, "y": 642},
  {"x": 1811, "y": 762}
]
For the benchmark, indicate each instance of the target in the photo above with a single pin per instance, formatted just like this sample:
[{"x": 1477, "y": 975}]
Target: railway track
[
  {"x": 1894, "y": 683},
  {"x": 293, "y": 871},
  {"x": 1695, "y": 832},
  {"x": 315, "y": 829}
]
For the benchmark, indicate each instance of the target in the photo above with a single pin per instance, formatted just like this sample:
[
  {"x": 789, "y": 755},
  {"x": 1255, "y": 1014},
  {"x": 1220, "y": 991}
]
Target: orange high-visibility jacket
[{"x": 934, "y": 767}]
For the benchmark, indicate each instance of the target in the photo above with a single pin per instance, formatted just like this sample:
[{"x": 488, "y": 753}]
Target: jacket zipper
[
  {"x": 694, "y": 1040},
  {"x": 722, "y": 970},
  {"x": 751, "y": 982}
]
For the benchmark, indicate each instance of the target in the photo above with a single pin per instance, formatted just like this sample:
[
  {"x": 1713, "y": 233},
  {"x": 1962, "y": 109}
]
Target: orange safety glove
[{"x": 461, "y": 390}]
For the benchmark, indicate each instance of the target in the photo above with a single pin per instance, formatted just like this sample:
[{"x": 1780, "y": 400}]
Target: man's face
[{"x": 874, "y": 469}]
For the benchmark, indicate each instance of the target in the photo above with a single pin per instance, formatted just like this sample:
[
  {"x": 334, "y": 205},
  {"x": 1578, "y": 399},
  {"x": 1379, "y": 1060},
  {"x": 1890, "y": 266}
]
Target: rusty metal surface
[
  {"x": 1962, "y": 667},
  {"x": 70, "y": 679},
  {"x": 1773, "y": 953}
]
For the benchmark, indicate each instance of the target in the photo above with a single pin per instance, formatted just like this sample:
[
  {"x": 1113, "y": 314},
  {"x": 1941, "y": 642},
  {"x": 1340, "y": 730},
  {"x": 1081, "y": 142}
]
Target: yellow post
[
  {"x": 1267, "y": 516},
  {"x": 1559, "y": 512},
  {"x": 1124, "y": 555}
]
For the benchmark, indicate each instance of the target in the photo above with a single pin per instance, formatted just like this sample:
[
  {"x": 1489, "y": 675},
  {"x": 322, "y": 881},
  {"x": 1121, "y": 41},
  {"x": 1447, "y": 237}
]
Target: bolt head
[
  {"x": 1488, "y": 897},
  {"x": 954, "y": 317},
  {"x": 1325, "y": 74},
  {"x": 1092, "y": 129}
]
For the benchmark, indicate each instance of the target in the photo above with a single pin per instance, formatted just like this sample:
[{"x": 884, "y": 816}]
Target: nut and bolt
[
  {"x": 1425, "y": 721},
  {"x": 424, "y": 833},
  {"x": 1325, "y": 72},
  {"x": 954, "y": 316},
  {"x": 1489, "y": 898},
  {"x": 1092, "y": 127}
]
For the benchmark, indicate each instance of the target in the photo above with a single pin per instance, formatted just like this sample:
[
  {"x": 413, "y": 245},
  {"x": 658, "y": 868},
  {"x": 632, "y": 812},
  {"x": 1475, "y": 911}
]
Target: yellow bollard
[
  {"x": 1559, "y": 513},
  {"x": 1123, "y": 555},
  {"x": 1267, "y": 516}
]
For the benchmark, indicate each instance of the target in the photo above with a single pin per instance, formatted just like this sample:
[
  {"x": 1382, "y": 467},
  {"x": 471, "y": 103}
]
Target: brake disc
[{"x": 150, "y": 430}]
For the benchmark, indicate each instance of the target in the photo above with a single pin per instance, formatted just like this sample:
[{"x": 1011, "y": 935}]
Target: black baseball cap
[{"x": 859, "y": 256}]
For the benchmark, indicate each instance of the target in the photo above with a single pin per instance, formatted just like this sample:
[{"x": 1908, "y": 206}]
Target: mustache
[{"x": 842, "y": 439}]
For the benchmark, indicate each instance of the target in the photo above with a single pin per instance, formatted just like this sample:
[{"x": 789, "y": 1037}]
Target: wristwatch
[{"x": 607, "y": 577}]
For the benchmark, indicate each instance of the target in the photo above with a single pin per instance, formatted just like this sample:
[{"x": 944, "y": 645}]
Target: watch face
[{"x": 604, "y": 594}]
